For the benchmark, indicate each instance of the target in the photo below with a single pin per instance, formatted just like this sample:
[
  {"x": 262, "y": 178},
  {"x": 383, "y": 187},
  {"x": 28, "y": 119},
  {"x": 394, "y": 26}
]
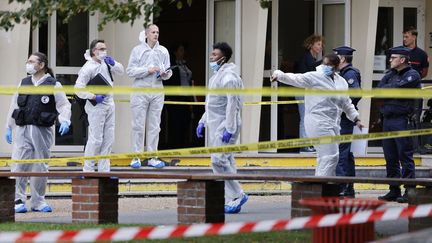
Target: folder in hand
[{"x": 98, "y": 80}]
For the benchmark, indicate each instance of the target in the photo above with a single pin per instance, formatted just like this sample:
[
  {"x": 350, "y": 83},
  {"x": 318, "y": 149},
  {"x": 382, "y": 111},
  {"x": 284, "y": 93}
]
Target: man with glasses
[{"x": 396, "y": 113}]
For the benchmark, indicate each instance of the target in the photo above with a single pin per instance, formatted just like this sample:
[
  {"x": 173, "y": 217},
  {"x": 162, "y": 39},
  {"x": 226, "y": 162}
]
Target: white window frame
[
  {"x": 398, "y": 6},
  {"x": 52, "y": 43},
  {"x": 347, "y": 17}
]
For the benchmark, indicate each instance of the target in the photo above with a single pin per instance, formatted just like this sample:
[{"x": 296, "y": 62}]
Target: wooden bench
[{"x": 200, "y": 197}]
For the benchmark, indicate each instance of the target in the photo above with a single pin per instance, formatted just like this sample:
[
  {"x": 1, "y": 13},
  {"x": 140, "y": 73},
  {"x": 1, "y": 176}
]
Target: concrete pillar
[
  {"x": 254, "y": 26},
  {"x": 364, "y": 15}
]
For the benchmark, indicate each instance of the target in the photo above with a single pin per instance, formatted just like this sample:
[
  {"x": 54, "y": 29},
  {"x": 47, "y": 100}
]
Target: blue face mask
[
  {"x": 214, "y": 66},
  {"x": 325, "y": 69}
]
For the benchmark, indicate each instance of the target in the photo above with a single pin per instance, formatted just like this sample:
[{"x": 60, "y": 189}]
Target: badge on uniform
[
  {"x": 409, "y": 78},
  {"x": 350, "y": 81},
  {"x": 45, "y": 99}
]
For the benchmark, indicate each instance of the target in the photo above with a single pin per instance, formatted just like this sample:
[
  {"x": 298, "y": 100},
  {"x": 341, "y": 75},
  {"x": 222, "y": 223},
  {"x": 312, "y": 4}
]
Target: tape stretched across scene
[
  {"x": 184, "y": 91},
  {"x": 281, "y": 144},
  {"x": 201, "y": 230}
]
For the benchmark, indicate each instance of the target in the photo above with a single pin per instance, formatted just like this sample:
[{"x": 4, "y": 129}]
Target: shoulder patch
[
  {"x": 350, "y": 81},
  {"x": 410, "y": 78}
]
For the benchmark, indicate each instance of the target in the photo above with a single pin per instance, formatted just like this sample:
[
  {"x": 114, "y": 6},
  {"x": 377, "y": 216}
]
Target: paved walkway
[{"x": 162, "y": 211}]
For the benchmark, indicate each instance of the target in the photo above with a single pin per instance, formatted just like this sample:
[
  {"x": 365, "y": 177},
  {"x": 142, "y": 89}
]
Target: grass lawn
[{"x": 283, "y": 236}]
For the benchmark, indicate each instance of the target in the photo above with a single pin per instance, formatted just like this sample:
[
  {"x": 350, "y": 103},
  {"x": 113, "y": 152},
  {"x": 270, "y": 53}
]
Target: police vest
[{"x": 39, "y": 110}]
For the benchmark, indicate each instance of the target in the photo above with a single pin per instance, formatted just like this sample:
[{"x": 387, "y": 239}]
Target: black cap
[
  {"x": 401, "y": 50},
  {"x": 344, "y": 50}
]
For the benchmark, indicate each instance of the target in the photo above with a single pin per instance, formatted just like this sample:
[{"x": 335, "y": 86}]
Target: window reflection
[
  {"x": 384, "y": 38},
  {"x": 78, "y": 130},
  {"x": 72, "y": 40}
]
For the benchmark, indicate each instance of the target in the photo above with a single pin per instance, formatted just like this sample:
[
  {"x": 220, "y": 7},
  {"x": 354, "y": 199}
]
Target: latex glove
[
  {"x": 226, "y": 136},
  {"x": 64, "y": 128},
  {"x": 199, "y": 130},
  {"x": 9, "y": 135},
  {"x": 99, "y": 98},
  {"x": 275, "y": 76},
  {"x": 109, "y": 60}
]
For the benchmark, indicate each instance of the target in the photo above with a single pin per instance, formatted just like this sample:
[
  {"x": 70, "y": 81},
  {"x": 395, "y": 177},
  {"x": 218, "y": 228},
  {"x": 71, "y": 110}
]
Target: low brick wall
[
  {"x": 309, "y": 190},
  {"x": 95, "y": 200},
  {"x": 7, "y": 200},
  {"x": 200, "y": 202}
]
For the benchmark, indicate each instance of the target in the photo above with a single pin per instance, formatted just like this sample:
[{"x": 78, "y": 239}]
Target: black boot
[
  {"x": 391, "y": 196},
  {"x": 403, "y": 198},
  {"x": 349, "y": 190}
]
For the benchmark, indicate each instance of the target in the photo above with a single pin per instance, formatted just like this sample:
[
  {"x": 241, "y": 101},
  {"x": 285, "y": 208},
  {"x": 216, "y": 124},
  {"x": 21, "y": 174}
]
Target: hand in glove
[
  {"x": 64, "y": 128},
  {"x": 109, "y": 60},
  {"x": 9, "y": 135},
  {"x": 226, "y": 136},
  {"x": 99, "y": 98},
  {"x": 199, "y": 130}
]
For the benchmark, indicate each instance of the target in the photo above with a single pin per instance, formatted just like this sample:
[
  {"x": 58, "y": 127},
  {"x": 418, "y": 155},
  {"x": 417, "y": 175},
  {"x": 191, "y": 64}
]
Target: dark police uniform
[
  {"x": 36, "y": 109},
  {"x": 346, "y": 163},
  {"x": 396, "y": 112}
]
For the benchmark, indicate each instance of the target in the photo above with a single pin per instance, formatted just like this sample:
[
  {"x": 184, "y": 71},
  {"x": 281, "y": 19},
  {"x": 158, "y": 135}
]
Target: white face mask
[
  {"x": 102, "y": 54},
  {"x": 30, "y": 69}
]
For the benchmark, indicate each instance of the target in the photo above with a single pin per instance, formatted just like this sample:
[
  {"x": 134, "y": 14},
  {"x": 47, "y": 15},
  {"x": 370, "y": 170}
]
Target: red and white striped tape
[{"x": 196, "y": 230}]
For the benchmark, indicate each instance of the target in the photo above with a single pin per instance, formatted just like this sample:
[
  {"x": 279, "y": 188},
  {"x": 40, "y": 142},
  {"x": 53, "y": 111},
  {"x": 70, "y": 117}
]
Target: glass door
[
  {"x": 65, "y": 45},
  {"x": 334, "y": 23}
]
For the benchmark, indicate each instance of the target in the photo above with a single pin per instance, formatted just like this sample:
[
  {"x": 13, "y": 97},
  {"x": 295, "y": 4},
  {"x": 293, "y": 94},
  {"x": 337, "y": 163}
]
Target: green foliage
[{"x": 124, "y": 11}]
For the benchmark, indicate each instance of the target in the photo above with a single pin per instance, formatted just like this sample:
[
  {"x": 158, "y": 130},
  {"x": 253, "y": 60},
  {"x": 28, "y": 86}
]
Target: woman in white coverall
[
  {"x": 222, "y": 119},
  {"x": 323, "y": 113},
  {"x": 32, "y": 117},
  {"x": 149, "y": 64},
  {"x": 100, "y": 109}
]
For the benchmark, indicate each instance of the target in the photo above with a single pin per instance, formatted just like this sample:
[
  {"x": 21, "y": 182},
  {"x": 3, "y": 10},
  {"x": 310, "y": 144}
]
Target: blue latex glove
[
  {"x": 109, "y": 60},
  {"x": 64, "y": 128},
  {"x": 226, "y": 136},
  {"x": 199, "y": 130},
  {"x": 158, "y": 75},
  {"x": 100, "y": 98},
  {"x": 8, "y": 135}
]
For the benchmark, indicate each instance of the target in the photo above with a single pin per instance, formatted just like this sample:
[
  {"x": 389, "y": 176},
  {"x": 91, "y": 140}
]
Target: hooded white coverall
[
  {"x": 223, "y": 112},
  {"x": 323, "y": 113},
  {"x": 147, "y": 108},
  {"x": 101, "y": 117},
  {"x": 34, "y": 142}
]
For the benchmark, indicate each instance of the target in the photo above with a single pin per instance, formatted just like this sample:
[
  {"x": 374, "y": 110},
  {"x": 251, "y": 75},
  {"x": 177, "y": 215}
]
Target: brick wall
[
  {"x": 308, "y": 190},
  {"x": 200, "y": 202},
  {"x": 419, "y": 196},
  {"x": 95, "y": 200},
  {"x": 7, "y": 200}
]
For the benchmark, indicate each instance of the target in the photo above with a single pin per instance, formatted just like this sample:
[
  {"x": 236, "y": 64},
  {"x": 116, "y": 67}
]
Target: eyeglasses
[
  {"x": 101, "y": 49},
  {"x": 31, "y": 62}
]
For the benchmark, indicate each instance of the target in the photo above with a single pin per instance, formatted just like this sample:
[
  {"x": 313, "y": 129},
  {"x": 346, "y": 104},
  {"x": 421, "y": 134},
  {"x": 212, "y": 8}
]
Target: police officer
[
  {"x": 396, "y": 112},
  {"x": 346, "y": 163}
]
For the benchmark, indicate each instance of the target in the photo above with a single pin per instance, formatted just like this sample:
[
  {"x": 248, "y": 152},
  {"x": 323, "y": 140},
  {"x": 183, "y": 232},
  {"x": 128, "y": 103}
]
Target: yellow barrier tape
[
  {"x": 266, "y": 91},
  {"x": 168, "y": 102},
  {"x": 281, "y": 144}
]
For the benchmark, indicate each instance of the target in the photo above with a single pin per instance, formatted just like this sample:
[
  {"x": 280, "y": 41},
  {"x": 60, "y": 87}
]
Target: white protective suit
[
  {"x": 101, "y": 117},
  {"x": 323, "y": 113},
  {"x": 34, "y": 142},
  {"x": 224, "y": 112},
  {"x": 147, "y": 108}
]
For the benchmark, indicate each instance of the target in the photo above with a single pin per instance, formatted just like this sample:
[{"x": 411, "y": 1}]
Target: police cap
[
  {"x": 400, "y": 50},
  {"x": 344, "y": 51}
]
